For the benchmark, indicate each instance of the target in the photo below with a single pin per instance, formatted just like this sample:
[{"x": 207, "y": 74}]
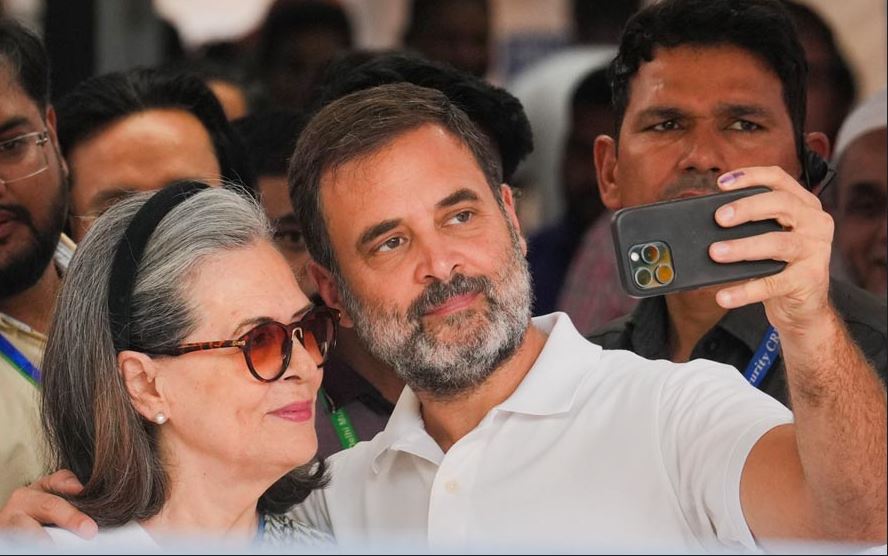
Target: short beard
[
  {"x": 24, "y": 269},
  {"x": 445, "y": 369}
]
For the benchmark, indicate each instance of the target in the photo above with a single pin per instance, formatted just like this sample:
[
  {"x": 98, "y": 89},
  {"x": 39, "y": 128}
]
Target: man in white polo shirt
[{"x": 521, "y": 434}]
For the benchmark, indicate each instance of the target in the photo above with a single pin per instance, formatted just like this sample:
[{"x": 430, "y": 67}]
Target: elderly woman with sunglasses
[{"x": 181, "y": 374}]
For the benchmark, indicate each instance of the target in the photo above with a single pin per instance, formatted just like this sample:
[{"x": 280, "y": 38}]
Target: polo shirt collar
[
  {"x": 552, "y": 383},
  {"x": 405, "y": 432},
  {"x": 549, "y": 388}
]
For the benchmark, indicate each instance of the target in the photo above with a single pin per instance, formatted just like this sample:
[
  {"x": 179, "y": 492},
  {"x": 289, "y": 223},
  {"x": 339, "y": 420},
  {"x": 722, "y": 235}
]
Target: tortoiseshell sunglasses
[{"x": 268, "y": 347}]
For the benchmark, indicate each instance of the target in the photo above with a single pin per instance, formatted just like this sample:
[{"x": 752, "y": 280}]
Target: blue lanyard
[
  {"x": 18, "y": 360},
  {"x": 764, "y": 357}
]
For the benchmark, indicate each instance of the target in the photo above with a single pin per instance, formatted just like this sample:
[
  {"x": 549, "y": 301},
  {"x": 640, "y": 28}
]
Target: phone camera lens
[
  {"x": 643, "y": 277},
  {"x": 650, "y": 253},
  {"x": 664, "y": 274}
]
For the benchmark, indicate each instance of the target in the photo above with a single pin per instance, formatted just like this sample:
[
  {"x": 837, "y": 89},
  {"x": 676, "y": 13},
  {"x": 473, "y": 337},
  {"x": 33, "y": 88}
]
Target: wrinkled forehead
[{"x": 705, "y": 78}]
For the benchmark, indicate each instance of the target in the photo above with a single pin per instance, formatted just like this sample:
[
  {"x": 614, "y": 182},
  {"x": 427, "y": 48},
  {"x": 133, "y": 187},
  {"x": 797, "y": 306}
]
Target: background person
[
  {"x": 269, "y": 138},
  {"x": 137, "y": 130},
  {"x": 296, "y": 41},
  {"x": 496, "y": 111},
  {"x": 861, "y": 195},
  {"x": 701, "y": 89},
  {"x": 456, "y": 32},
  {"x": 33, "y": 205},
  {"x": 831, "y": 86},
  {"x": 571, "y": 262}
]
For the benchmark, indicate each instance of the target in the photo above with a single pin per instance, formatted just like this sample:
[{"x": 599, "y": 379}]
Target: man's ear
[
  {"x": 329, "y": 290},
  {"x": 139, "y": 373},
  {"x": 606, "y": 170},
  {"x": 818, "y": 142},
  {"x": 511, "y": 214}
]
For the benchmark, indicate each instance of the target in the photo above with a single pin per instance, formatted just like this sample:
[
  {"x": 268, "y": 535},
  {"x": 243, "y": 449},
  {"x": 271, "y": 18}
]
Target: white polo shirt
[{"x": 595, "y": 450}]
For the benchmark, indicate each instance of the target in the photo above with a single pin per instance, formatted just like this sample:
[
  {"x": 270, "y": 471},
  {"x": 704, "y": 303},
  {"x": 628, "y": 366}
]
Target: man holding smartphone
[{"x": 696, "y": 98}]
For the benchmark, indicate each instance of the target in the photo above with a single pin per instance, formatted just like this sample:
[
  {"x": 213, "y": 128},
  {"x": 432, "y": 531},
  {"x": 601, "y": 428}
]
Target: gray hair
[{"x": 91, "y": 426}]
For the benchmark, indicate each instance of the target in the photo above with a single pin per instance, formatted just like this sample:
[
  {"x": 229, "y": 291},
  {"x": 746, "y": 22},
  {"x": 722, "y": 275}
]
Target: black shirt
[{"x": 737, "y": 335}]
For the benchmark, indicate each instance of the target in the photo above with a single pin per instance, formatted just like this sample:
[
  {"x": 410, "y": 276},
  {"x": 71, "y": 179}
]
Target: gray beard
[{"x": 447, "y": 368}]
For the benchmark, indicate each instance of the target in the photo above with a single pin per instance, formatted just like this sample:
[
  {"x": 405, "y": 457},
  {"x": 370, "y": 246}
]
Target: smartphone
[{"x": 664, "y": 247}]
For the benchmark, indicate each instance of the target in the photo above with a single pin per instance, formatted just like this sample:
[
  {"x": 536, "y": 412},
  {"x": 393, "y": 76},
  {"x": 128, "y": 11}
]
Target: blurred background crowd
[{"x": 262, "y": 57}]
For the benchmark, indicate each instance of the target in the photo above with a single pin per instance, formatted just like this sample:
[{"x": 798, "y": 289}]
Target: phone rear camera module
[
  {"x": 643, "y": 277},
  {"x": 650, "y": 253},
  {"x": 664, "y": 274},
  {"x": 650, "y": 265}
]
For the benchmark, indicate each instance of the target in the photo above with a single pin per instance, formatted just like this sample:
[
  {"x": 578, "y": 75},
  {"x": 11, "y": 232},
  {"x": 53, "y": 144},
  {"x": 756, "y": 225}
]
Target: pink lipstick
[{"x": 298, "y": 412}]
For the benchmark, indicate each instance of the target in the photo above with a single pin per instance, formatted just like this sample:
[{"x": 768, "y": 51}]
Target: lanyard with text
[
  {"x": 764, "y": 358},
  {"x": 18, "y": 360},
  {"x": 348, "y": 437}
]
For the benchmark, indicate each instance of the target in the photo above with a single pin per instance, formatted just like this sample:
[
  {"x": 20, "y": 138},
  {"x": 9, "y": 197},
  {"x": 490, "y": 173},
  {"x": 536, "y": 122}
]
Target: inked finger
[{"x": 773, "y": 177}]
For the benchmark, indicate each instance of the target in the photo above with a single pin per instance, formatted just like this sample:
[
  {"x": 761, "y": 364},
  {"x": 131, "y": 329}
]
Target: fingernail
[
  {"x": 88, "y": 529},
  {"x": 724, "y": 299},
  {"x": 720, "y": 249},
  {"x": 725, "y": 214},
  {"x": 728, "y": 179}
]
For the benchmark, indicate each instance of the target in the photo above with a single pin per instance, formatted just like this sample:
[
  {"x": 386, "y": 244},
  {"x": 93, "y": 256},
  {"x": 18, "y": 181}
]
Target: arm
[
  {"x": 32, "y": 506},
  {"x": 825, "y": 476}
]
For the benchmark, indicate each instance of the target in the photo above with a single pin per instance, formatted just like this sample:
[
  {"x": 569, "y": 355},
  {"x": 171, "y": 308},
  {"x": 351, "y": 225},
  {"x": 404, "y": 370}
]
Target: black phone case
[{"x": 688, "y": 228}]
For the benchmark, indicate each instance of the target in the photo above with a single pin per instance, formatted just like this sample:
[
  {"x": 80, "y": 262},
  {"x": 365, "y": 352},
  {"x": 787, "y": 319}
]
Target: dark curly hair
[
  {"x": 497, "y": 112},
  {"x": 100, "y": 101}
]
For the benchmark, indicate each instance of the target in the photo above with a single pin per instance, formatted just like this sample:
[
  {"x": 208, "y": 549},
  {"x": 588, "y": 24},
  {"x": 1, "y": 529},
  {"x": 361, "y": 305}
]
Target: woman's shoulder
[
  {"x": 129, "y": 535},
  {"x": 281, "y": 529}
]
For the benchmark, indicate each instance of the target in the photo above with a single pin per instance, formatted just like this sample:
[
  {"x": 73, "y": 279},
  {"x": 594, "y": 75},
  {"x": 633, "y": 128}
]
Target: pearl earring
[{"x": 160, "y": 418}]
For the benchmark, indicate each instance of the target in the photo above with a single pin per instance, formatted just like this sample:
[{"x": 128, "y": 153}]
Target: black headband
[{"x": 130, "y": 249}]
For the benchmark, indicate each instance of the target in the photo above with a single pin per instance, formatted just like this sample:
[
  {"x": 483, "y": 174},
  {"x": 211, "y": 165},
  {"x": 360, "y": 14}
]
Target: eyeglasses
[
  {"x": 23, "y": 157},
  {"x": 268, "y": 347}
]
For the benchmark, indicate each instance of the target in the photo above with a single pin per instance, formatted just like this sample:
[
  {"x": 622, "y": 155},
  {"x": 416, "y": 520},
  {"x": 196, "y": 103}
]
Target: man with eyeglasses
[{"x": 33, "y": 204}]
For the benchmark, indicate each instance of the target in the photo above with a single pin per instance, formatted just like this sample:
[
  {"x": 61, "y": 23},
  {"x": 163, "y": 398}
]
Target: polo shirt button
[{"x": 452, "y": 487}]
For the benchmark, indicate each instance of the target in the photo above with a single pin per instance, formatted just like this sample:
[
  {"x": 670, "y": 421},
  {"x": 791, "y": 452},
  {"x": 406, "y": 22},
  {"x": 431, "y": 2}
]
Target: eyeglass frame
[
  {"x": 242, "y": 342},
  {"x": 41, "y": 141}
]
